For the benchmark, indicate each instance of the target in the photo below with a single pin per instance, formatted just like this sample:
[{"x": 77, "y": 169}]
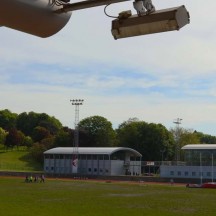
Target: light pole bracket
[{"x": 86, "y": 4}]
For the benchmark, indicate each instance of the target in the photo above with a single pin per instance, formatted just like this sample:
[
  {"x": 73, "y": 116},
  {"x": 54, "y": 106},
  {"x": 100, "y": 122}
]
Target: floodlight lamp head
[
  {"x": 169, "y": 19},
  {"x": 77, "y": 102}
]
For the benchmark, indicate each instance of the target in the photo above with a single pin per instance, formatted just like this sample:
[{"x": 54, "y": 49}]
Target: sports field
[{"x": 58, "y": 197}]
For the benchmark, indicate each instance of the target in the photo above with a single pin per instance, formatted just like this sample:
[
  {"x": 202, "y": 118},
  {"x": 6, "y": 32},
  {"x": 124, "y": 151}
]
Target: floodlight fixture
[
  {"x": 177, "y": 121},
  {"x": 159, "y": 21},
  {"x": 77, "y": 102}
]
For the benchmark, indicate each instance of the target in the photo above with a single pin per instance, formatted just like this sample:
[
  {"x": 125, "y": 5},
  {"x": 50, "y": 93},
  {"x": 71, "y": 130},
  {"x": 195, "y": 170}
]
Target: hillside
[{"x": 17, "y": 160}]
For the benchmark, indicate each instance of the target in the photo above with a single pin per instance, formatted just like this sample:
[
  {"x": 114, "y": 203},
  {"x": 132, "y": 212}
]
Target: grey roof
[
  {"x": 199, "y": 147},
  {"x": 91, "y": 150}
]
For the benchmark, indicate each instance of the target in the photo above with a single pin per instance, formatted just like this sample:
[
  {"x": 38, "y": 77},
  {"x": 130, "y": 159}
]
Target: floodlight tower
[
  {"x": 177, "y": 150},
  {"x": 76, "y": 103}
]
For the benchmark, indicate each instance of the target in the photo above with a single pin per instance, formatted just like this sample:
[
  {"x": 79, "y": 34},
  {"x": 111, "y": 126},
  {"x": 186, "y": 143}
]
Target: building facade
[
  {"x": 92, "y": 161},
  {"x": 199, "y": 163}
]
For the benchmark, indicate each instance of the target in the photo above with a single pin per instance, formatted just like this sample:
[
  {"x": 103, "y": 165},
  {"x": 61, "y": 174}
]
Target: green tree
[
  {"x": 50, "y": 123},
  {"x": 26, "y": 122},
  {"x": 7, "y": 119},
  {"x": 40, "y": 133},
  {"x": 27, "y": 141},
  {"x": 98, "y": 132},
  {"x": 64, "y": 138},
  {"x": 151, "y": 140},
  {"x": 14, "y": 138},
  {"x": 188, "y": 137},
  {"x": 183, "y": 137},
  {"x": 36, "y": 151},
  {"x": 206, "y": 138},
  {"x": 48, "y": 142},
  {"x": 128, "y": 134},
  {"x": 3, "y": 135}
]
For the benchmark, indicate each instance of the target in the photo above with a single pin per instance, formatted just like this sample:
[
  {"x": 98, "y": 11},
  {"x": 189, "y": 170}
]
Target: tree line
[{"x": 39, "y": 132}]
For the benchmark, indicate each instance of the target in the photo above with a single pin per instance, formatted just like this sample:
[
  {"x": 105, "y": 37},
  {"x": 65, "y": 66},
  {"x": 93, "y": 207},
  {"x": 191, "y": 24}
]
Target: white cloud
[{"x": 156, "y": 77}]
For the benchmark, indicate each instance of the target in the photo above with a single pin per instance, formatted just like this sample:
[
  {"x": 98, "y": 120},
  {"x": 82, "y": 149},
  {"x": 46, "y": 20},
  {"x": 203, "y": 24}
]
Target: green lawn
[
  {"x": 83, "y": 198},
  {"x": 17, "y": 160}
]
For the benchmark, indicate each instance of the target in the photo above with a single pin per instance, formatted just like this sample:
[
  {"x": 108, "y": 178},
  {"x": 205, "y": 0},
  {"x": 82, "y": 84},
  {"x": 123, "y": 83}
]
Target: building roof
[
  {"x": 91, "y": 150},
  {"x": 199, "y": 147}
]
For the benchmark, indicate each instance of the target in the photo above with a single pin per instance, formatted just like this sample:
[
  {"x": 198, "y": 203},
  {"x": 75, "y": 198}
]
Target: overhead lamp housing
[
  {"x": 34, "y": 17},
  {"x": 159, "y": 21}
]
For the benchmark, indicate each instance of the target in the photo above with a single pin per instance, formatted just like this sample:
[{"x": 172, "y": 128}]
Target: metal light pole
[
  {"x": 212, "y": 167},
  {"x": 162, "y": 154},
  {"x": 76, "y": 103},
  {"x": 177, "y": 150},
  {"x": 201, "y": 174}
]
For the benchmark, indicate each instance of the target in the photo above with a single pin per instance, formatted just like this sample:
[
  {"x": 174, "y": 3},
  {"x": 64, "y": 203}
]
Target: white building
[
  {"x": 200, "y": 161},
  {"x": 92, "y": 161}
]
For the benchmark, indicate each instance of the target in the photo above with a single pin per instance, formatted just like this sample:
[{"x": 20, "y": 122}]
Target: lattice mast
[
  {"x": 177, "y": 137},
  {"x": 76, "y": 103}
]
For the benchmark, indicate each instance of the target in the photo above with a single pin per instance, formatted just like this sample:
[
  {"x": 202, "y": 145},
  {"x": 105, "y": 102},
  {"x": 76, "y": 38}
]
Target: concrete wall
[{"x": 117, "y": 167}]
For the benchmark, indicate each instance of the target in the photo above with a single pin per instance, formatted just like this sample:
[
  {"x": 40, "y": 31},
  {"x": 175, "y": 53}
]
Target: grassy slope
[
  {"x": 58, "y": 197},
  {"x": 17, "y": 160}
]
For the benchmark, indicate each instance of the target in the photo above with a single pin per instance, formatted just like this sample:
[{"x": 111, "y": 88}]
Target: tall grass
[{"x": 82, "y": 198}]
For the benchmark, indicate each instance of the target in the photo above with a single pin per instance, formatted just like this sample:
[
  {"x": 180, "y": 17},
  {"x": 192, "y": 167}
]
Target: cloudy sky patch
[{"x": 156, "y": 78}]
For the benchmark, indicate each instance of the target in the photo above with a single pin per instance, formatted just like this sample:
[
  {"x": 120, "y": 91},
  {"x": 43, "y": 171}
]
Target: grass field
[
  {"x": 87, "y": 198},
  {"x": 18, "y": 160}
]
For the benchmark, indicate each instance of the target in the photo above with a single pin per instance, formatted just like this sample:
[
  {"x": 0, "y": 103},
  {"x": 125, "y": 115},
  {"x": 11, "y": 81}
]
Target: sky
[{"x": 155, "y": 78}]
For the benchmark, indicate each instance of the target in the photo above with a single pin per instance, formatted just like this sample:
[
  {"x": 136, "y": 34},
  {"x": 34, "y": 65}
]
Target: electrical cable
[{"x": 108, "y": 14}]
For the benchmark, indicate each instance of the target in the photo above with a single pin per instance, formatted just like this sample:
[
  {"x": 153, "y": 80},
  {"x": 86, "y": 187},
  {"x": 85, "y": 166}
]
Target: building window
[
  {"x": 95, "y": 169},
  {"x": 83, "y": 157},
  {"x": 132, "y": 158},
  {"x": 171, "y": 173},
  {"x": 89, "y": 157},
  {"x": 52, "y": 168},
  {"x": 100, "y": 157},
  {"x": 106, "y": 157},
  {"x": 107, "y": 170},
  {"x": 56, "y": 156},
  {"x": 94, "y": 157},
  {"x": 179, "y": 173},
  {"x": 89, "y": 169},
  {"x": 186, "y": 173},
  {"x": 67, "y": 157},
  {"x": 193, "y": 173},
  {"x": 208, "y": 174},
  {"x": 101, "y": 170}
]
